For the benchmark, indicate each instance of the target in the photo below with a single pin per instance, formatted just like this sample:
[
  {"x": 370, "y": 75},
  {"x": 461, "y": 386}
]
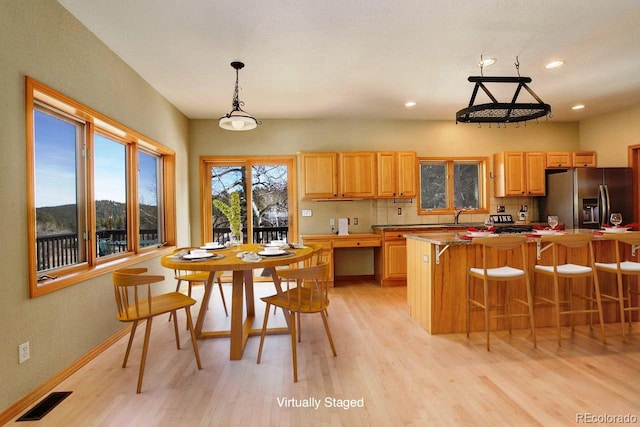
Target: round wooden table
[{"x": 241, "y": 328}]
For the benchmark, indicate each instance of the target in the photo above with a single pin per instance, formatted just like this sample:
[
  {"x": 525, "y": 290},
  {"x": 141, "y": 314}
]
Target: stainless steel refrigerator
[{"x": 586, "y": 197}]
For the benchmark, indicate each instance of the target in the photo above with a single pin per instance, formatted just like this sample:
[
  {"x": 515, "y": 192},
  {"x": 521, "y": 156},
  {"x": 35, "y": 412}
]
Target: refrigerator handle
[{"x": 603, "y": 194}]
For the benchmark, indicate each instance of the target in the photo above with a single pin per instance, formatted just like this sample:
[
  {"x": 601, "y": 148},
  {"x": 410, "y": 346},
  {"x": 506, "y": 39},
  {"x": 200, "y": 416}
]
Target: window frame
[
  {"x": 449, "y": 162},
  {"x": 40, "y": 96}
]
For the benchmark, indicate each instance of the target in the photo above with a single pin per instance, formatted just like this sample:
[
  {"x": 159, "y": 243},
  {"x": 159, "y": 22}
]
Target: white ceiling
[{"x": 366, "y": 58}]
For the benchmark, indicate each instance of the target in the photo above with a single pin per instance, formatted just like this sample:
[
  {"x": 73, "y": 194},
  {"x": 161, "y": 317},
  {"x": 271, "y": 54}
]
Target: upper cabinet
[
  {"x": 357, "y": 174},
  {"x": 519, "y": 174},
  {"x": 569, "y": 159},
  {"x": 319, "y": 175},
  {"x": 584, "y": 159},
  {"x": 397, "y": 172}
]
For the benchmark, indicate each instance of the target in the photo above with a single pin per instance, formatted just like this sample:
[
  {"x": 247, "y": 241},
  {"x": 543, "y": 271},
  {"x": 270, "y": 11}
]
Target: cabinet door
[
  {"x": 559, "y": 159},
  {"x": 387, "y": 173},
  {"x": 357, "y": 174},
  {"x": 535, "y": 166},
  {"x": 395, "y": 259},
  {"x": 407, "y": 174},
  {"x": 584, "y": 159},
  {"x": 319, "y": 175},
  {"x": 514, "y": 174}
]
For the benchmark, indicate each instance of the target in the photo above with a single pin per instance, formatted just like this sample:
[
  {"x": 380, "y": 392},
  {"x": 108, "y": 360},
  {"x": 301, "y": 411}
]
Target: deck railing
[
  {"x": 60, "y": 250},
  {"x": 260, "y": 234}
]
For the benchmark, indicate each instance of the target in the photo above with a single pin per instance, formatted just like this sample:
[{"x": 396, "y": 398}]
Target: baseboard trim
[
  {"x": 18, "y": 407},
  {"x": 354, "y": 277}
]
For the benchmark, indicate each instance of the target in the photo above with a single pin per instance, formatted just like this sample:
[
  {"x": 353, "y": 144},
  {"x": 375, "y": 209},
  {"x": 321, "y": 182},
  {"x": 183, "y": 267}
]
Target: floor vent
[{"x": 45, "y": 406}]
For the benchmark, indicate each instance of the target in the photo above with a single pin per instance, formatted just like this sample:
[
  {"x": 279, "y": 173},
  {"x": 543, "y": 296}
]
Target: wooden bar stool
[
  {"x": 500, "y": 274},
  {"x": 623, "y": 267},
  {"x": 570, "y": 271}
]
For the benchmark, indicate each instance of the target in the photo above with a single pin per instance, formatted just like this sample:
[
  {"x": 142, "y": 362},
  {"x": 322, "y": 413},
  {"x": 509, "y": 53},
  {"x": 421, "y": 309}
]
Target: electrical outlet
[
  {"x": 332, "y": 222},
  {"x": 307, "y": 212},
  {"x": 23, "y": 352},
  {"x": 355, "y": 221},
  {"x": 399, "y": 211}
]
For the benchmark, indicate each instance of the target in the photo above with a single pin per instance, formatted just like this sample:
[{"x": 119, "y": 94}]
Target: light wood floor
[{"x": 404, "y": 375}]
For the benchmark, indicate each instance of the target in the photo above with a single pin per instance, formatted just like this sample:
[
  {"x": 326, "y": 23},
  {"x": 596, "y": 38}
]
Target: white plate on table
[
  {"x": 279, "y": 252},
  {"x": 615, "y": 229},
  {"x": 197, "y": 256},
  {"x": 479, "y": 233},
  {"x": 545, "y": 232},
  {"x": 212, "y": 248}
]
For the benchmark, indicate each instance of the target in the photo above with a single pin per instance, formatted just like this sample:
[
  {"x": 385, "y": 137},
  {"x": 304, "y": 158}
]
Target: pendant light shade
[{"x": 238, "y": 119}]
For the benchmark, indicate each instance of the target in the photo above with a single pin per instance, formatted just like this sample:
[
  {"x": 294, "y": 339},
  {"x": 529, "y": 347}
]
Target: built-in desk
[{"x": 329, "y": 242}]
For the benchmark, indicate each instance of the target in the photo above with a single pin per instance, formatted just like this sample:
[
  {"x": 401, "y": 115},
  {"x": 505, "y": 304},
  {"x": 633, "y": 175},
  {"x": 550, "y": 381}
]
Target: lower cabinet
[{"x": 390, "y": 261}]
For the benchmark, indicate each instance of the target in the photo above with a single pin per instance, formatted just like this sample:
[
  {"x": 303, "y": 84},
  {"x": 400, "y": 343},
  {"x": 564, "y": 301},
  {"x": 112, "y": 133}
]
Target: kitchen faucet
[{"x": 456, "y": 214}]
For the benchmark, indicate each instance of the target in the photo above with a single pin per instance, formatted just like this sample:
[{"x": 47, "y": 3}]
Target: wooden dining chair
[
  {"x": 623, "y": 267},
  {"x": 320, "y": 256},
  {"x": 197, "y": 278},
  {"x": 510, "y": 275},
  {"x": 569, "y": 271},
  {"x": 136, "y": 302},
  {"x": 300, "y": 299}
]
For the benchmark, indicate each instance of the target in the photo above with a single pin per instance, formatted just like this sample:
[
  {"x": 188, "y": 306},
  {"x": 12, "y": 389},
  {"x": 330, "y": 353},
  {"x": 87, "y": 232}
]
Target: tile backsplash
[{"x": 405, "y": 211}]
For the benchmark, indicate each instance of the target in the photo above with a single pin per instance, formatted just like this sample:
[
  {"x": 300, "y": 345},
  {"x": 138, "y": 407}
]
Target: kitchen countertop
[{"x": 426, "y": 226}]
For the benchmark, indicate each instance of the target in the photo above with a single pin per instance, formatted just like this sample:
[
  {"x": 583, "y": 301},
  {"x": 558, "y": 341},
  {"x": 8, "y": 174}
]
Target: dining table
[{"x": 228, "y": 259}]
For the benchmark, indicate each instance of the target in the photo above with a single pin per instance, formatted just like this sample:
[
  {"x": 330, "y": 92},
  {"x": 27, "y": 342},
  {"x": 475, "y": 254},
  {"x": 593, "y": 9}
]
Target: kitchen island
[{"x": 437, "y": 265}]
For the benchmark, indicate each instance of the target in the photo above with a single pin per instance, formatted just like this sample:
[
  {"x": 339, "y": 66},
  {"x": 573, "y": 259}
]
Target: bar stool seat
[
  {"x": 504, "y": 273},
  {"x": 567, "y": 269},
  {"x": 625, "y": 266}
]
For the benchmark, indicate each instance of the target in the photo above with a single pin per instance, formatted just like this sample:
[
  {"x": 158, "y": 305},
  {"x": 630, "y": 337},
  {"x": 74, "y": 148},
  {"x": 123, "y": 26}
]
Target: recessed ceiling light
[
  {"x": 487, "y": 62},
  {"x": 578, "y": 107},
  {"x": 410, "y": 104},
  {"x": 555, "y": 64}
]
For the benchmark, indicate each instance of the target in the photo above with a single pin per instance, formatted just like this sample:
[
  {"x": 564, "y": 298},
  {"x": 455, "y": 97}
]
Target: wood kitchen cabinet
[
  {"x": 397, "y": 174},
  {"x": 390, "y": 260},
  {"x": 331, "y": 175},
  {"x": 319, "y": 175},
  {"x": 571, "y": 159},
  {"x": 559, "y": 159},
  {"x": 519, "y": 174},
  {"x": 584, "y": 159},
  {"x": 357, "y": 174}
]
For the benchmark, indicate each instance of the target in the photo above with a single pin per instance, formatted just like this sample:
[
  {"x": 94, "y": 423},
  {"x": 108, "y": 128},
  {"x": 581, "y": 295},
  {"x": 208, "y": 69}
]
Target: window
[
  {"x": 446, "y": 184},
  {"x": 88, "y": 208}
]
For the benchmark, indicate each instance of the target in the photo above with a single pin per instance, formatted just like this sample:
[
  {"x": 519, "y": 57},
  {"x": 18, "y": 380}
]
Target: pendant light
[{"x": 238, "y": 119}]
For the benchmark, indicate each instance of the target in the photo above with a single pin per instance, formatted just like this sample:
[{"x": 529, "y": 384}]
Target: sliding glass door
[{"x": 265, "y": 187}]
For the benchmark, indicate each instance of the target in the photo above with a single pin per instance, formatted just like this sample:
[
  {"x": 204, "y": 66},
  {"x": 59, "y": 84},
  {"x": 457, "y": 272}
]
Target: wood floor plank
[{"x": 404, "y": 376}]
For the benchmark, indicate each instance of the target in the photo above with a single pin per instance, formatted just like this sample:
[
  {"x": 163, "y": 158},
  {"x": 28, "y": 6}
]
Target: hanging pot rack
[{"x": 502, "y": 112}]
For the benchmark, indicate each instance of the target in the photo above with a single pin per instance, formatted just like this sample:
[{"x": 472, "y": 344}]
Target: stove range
[{"x": 513, "y": 228}]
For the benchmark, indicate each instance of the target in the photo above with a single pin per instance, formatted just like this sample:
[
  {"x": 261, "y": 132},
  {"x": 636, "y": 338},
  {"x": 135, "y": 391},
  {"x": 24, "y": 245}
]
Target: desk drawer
[{"x": 353, "y": 243}]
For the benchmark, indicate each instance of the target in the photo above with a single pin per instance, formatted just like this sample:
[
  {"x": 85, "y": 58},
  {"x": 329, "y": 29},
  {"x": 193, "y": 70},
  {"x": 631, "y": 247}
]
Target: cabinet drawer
[
  {"x": 325, "y": 244},
  {"x": 395, "y": 235},
  {"x": 352, "y": 243}
]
